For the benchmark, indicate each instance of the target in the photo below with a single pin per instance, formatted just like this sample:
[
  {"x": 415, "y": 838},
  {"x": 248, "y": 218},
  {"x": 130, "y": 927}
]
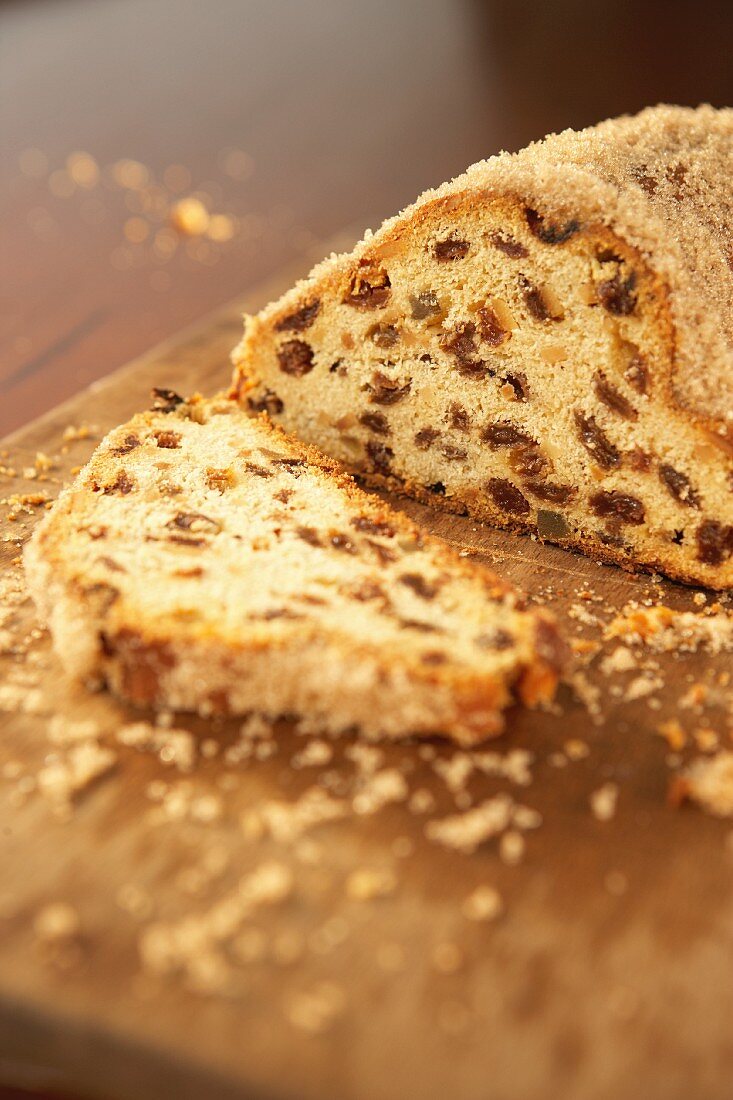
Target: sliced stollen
[
  {"x": 546, "y": 342},
  {"x": 204, "y": 561}
]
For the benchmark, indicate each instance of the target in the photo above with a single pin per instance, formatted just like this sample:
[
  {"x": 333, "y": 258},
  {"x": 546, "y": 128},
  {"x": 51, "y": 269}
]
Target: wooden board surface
[{"x": 608, "y": 975}]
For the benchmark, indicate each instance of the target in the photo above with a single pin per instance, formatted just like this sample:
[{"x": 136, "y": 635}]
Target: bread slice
[
  {"x": 546, "y": 342},
  {"x": 204, "y": 561}
]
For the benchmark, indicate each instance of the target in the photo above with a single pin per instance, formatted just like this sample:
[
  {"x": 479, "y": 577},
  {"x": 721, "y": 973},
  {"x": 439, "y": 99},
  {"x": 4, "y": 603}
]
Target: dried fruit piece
[
  {"x": 195, "y": 522},
  {"x": 123, "y": 484},
  {"x": 550, "y": 232},
  {"x": 461, "y": 343},
  {"x": 419, "y": 585},
  {"x": 491, "y": 329},
  {"x": 555, "y": 494},
  {"x": 424, "y": 305},
  {"x": 612, "y": 398},
  {"x": 450, "y": 249},
  {"x": 168, "y": 440},
  {"x": 508, "y": 497},
  {"x": 129, "y": 443},
  {"x": 296, "y": 358},
  {"x": 383, "y": 335},
  {"x": 458, "y": 417},
  {"x": 504, "y": 434},
  {"x": 679, "y": 485},
  {"x": 617, "y": 294},
  {"x": 373, "y": 527},
  {"x": 551, "y": 525},
  {"x": 425, "y": 438},
  {"x": 613, "y": 504},
  {"x": 528, "y": 461},
  {"x": 165, "y": 401},
  {"x": 714, "y": 542},
  {"x": 299, "y": 321},
  {"x": 596, "y": 442},
  {"x": 309, "y": 535},
  {"x": 369, "y": 290},
  {"x": 454, "y": 453},
  {"x": 375, "y": 422},
  {"x": 509, "y": 246},
  {"x": 268, "y": 402},
  {"x": 381, "y": 456},
  {"x": 387, "y": 391}
]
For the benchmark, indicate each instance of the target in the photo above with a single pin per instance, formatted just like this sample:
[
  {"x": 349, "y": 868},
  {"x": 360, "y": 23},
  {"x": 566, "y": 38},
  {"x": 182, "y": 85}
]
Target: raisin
[
  {"x": 343, "y": 542},
  {"x": 129, "y": 443},
  {"x": 268, "y": 402},
  {"x": 338, "y": 368},
  {"x": 679, "y": 486},
  {"x": 170, "y": 441},
  {"x": 519, "y": 384},
  {"x": 551, "y": 525},
  {"x": 381, "y": 456},
  {"x": 258, "y": 471},
  {"x": 504, "y": 434},
  {"x": 616, "y": 505},
  {"x": 458, "y": 417},
  {"x": 454, "y": 453},
  {"x": 613, "y": 399},
  {"x": 369, "y": 293},
  {"x": 424, "y": 628},
  {"x": 714, "y": 542},
  {"x": 596, "y": 442},
  {"x": 617, "y": 294},
  {"x": 296, "y": 358},
  {"x": 462, "y": 344},
  {"x": 283, "y": 495},
  {"x": 385, "y": 553},
  {"x": 555, "y": 494},
  {"x": 491, "y": 329},
  {"x": 509, "y": 246},
  {"x": 309, "y": 535},
  {"x": 507, "y": 496},
  {"x": 299, "y": 321},
  {"x": 550, "y": 232},
  {"x": 535, "y": 301},
  {"x": 111, "y": 564},
  {"x": 387, "y": 391},
  {"x": 528, "y": 461},
  {"x": 494, "y": 639},
  {"x": 195, "y": 522},
  {"x": 637, "y": 375},
  {"x": 424, "y": 305},
  {"x": 437, "y": 488},
  {"x": 375, "y": 422},
  {"x": 419, "y": 585},
  {"x": 425, "y": 438},
  {"x": 122, "y": 484},
  {"x": 384, "y": 336},
  {"x": 450, "y": 249},
  {"x": 433, "y": 657},
  {"x": 373, "y": 527},
  {"x": 165, "y": 401}
]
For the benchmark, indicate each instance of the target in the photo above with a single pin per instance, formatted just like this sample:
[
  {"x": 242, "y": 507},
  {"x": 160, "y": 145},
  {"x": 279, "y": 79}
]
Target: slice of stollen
[{"x": 205, "y": 561}]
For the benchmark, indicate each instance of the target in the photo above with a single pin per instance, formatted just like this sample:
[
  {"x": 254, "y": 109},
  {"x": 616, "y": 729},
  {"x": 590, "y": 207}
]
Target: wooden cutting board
[{"x": 609, "y": 973}]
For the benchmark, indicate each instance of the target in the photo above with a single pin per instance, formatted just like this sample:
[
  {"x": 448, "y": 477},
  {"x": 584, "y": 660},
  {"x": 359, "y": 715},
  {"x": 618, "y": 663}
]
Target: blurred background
[{"x": 160, "y": 157}]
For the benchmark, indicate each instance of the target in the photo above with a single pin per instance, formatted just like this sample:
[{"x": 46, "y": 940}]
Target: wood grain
[{"x": 607, "y": 976}]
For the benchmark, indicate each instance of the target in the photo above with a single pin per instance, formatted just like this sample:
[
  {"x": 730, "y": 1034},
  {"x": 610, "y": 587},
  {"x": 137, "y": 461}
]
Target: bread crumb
[
  {"x": 485, "y": 903},
  {"x": 709, "y": 783},
  {"x": 58, "y": 922},
  {"x": 604, "y": 800},
  {"x": 367, "y": 883},
  {"x": 315, "y": 1010}
]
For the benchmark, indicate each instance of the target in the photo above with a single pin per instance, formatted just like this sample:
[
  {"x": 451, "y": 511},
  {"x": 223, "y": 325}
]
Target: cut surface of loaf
[
  {"x": 546, "y": 342},
  {"x": 204, "y": 561}
]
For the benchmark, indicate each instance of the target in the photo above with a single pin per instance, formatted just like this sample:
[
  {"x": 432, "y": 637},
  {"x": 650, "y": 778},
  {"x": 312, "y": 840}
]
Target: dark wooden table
[
  {"x": 299, "y": 117},
  {"x": 293, "y": 119}
]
